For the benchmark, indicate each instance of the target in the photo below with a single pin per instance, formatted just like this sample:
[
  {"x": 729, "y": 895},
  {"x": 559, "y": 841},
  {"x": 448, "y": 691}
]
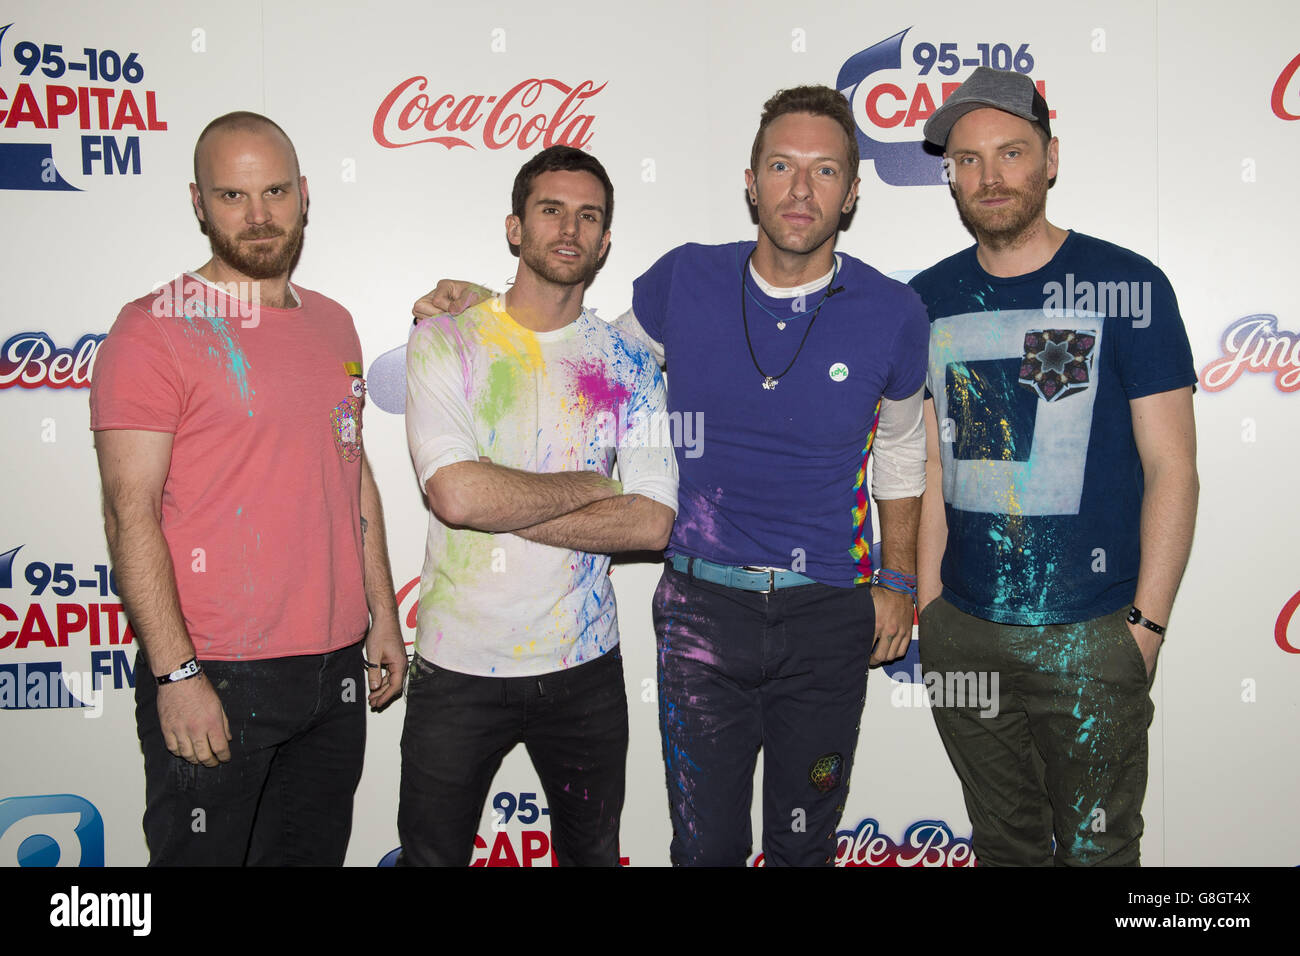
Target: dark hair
[
  {"x": 817, "y": 100},
  {"x": 560, "y": 159},
  {"x": 240, "y": 120}
]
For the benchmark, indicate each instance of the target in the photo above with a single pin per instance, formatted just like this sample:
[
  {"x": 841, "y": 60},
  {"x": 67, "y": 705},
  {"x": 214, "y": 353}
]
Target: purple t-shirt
[{"x": 777, "y": 477}]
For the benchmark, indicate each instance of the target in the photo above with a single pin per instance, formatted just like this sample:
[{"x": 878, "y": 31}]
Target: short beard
[
  {"x": 1005, "y": 230},
  {"x": 536, "y": 259},
  {"x": 266, "y": 266}
]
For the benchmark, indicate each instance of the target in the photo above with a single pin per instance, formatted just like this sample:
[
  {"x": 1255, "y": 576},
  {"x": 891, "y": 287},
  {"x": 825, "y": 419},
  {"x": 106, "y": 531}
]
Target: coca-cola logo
[
  {"x": 533, "y": 112},
  {"x": 1284, "y": 623},
  {"x": 1280, "y": 91},
  {"x": 31, "y": 360},
  {"x": 1254, "y": 344}
]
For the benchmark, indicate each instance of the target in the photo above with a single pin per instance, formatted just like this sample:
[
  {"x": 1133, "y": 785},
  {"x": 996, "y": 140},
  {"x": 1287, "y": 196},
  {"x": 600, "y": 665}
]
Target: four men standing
[{"x": 764, "y": 617}]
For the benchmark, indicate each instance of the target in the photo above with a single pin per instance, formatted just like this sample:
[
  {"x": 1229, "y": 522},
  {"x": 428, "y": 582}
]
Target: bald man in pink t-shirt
[{"x": 245, "y": 528}]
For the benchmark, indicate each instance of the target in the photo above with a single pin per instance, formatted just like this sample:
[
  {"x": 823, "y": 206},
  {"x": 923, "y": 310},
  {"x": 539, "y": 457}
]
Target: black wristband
[
  {"x": 1135, "y": 617},
  {"x": 191, "y": 668}
]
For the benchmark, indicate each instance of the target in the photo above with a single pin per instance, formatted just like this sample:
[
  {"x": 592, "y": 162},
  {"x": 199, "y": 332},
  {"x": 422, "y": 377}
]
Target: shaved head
[
  {"x": 241, "y": 121},
  {"x": 249, "y": 196}
]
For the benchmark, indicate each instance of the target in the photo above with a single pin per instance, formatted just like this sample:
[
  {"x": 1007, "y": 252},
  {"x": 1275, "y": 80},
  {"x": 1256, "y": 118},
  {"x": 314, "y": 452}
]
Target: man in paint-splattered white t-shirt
[
  {"x": 481, "y": 385},
  {"x": 516, "y": 412}
]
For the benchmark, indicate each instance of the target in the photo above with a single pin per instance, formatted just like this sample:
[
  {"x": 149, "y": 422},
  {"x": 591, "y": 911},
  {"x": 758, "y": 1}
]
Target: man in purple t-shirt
[{"x": 799, "y": 362}]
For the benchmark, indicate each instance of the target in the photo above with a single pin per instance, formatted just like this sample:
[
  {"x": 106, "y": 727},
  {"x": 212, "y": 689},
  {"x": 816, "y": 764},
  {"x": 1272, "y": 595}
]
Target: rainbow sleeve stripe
[{"x": 861, "y": 550}]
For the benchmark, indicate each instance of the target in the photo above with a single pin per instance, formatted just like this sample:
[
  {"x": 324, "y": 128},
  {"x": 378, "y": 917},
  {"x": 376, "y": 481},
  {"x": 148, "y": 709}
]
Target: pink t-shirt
[{"x": 262, "y": 504}]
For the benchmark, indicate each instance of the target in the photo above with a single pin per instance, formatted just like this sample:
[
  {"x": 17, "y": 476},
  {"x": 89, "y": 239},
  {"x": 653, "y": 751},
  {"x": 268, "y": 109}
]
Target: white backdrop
[{"x": 1179, "y": 124}]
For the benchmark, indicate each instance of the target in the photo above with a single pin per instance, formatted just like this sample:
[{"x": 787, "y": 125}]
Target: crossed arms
[{"x": 580, "y": 510}]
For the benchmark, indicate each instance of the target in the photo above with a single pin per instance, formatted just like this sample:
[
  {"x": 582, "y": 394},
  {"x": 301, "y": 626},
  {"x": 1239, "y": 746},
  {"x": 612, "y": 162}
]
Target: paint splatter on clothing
[
  {"x": 1041, "y": 476},
  {"x": 481, "y": 385},
  {"x": 781, "y": 484},
  {"x": 262, "y": 504}
]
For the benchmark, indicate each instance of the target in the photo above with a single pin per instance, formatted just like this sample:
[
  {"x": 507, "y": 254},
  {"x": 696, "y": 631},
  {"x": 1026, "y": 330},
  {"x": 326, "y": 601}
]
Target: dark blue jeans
[
  {"x": 298, "y": 728},
  {"x": 738, "y": 671},
  {"x": 460, "y": 727}
]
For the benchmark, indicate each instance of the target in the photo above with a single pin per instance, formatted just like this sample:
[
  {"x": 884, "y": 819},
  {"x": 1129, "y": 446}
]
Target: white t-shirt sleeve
[
  {"x": 628, "y": 324},
  {"x": 439, "y": 421},
  {"x": 647, "y": 463},
  {"x": 898, "y": 456}
]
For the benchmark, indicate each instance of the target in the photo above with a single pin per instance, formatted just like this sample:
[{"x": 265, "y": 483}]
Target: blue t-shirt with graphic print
[
  {"x": 779, "y": 479},
  {"x": 1031, "y": 378}
]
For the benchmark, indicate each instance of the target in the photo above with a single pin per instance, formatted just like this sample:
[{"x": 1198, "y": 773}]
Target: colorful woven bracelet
[{"x": 896, "y": 581}]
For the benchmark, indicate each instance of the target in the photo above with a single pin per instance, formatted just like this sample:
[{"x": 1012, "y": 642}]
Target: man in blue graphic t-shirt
[{"x": 1061, "y": 494}]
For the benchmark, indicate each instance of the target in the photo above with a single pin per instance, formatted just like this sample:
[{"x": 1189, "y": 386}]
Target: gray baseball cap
[{"x": 1004, "y": 90}]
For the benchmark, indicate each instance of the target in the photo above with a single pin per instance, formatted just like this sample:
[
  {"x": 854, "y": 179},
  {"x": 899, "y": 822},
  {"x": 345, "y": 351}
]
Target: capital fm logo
[
  {"x": 58, "y": 88},
  {"x": 48, "y": 614},
  {"x": 1286, "y": 92},
  {"x": 891, "y": 99},
  {"x": 52, "y": 830},
  {"x": 534, "y": 112}
]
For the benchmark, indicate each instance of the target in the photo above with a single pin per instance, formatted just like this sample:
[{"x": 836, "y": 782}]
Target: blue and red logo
[
  {"x": 32, "y": 360},
  {"x": 1255, "y": 343},
  {"x": 891, "y": 102},
  {"x": 49, "y": 88}
]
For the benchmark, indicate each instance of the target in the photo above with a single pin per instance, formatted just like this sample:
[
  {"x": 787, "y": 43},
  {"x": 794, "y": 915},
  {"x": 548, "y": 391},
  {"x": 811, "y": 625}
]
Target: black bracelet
[
  {"x": 191, "y": 668},
  {"x": 1135, "y": 617}
]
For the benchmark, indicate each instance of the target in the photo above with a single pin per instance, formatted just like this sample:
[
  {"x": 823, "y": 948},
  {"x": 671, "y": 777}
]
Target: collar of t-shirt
[
  {"x": 497, "y": 304},
  {"x": 776, "y": 292},
  {"x": 297, "y": 302}
]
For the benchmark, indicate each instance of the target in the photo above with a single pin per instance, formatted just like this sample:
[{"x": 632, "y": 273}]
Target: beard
[
  {"x": 262, "y": 261},
  {"x": 1004, "y": 225},
  {"x": 536, "y": 255}
]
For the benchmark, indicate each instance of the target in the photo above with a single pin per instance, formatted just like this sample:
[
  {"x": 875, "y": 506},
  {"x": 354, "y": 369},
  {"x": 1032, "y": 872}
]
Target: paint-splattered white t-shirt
[{"x": 481, "y": 385}]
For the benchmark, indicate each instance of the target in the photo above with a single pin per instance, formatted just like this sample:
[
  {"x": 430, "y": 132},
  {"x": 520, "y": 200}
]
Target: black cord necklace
[{"x": 772, "y": 381}]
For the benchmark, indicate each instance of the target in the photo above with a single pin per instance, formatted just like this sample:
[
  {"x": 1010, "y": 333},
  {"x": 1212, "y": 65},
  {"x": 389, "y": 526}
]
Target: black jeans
[
  {"x": 298, "y": 729},
  {"x": 460, "y": 727},
  {"x": 738, "y": 671}
]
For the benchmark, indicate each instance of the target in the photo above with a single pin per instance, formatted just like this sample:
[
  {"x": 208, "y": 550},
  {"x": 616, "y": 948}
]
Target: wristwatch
[
  {"x": 190, "y": 668},
  {"x": 1135, "y": 617}
]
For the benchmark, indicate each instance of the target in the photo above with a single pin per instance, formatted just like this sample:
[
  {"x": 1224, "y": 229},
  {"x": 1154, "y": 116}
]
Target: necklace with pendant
[{"x": 772, "y": 381}]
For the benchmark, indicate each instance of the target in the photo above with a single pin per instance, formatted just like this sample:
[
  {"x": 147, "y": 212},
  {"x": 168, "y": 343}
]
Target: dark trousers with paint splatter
[
  {"x": 460, "y": 727},
  {"x": 298, "y": 728},
  {"x": 738, "y": 671},
  {"x": 1060, "y": 750}
]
